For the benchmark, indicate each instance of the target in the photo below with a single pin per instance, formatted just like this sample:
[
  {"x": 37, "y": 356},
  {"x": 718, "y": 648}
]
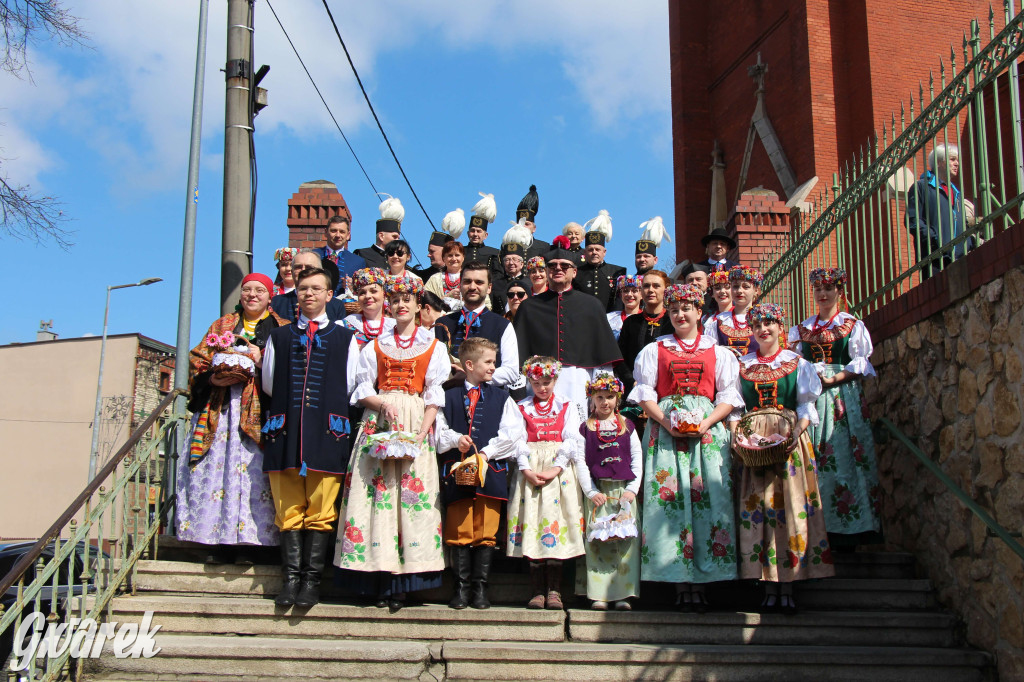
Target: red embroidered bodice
[{"x": 681, "y": 373}]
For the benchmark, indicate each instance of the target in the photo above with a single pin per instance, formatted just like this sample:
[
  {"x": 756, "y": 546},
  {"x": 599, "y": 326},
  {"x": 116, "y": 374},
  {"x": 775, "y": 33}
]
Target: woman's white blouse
[
  {"x": 860, "y": 346},
  {"x": 808, "y": 385},
  {"x": 727, "y": 372},
  {"x": 571, "y": 447},
  {"x": 438, "y": 369},
  {"x": 711, "y": 328}
]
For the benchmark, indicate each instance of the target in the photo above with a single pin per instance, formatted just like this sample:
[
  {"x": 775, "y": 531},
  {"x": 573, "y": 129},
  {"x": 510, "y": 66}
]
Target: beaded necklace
[
  {"x": 688, "y": 348},
  {"x": 543, "y": 411},
  {"x": 771, "y": 358},
  {"x": 653, "y": 321},
  {"x": 398, "y": 339},
  {"x": 449, "y": 284},
  {"x": 736, "y": 321},
  {"x": 818, "y": 327},
  {"x": 612, "y": 433},
  {"x": 369, "y": 331}
]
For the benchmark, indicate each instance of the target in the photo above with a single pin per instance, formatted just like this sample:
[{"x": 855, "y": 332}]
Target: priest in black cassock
[
  {"x": 717, "y": 244},
  {"x": 596, "y": 277},
  {"x": 568, "y": 325},
  {"x": 527, "y": 211}
]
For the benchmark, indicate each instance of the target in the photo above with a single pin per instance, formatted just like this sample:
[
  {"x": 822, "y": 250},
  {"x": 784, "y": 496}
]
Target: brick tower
[
  {"x": 827, "y": 74},
  {"x": 309, "y": 209}
]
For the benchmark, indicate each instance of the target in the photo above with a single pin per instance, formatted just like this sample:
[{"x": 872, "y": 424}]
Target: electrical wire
[
  {"x": 326, "y": 106},
  {"x": 375, "y": 118}
]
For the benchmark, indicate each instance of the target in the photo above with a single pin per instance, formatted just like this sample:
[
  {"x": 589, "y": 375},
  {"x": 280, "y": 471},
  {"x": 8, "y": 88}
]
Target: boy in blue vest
[
  {"x": 309, "y": 373},
  {"x": 481, "y": 414}
]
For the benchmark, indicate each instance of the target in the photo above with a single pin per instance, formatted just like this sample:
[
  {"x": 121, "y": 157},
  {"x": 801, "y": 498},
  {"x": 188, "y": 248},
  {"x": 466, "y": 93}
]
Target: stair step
[
  {"x": 261, "y": 617},
  {"x": 513, "y": 588},
  {"x": 252, "y": 659},
  {"x": 875, "y": 565},
  {"x": 823, "y": 628}
]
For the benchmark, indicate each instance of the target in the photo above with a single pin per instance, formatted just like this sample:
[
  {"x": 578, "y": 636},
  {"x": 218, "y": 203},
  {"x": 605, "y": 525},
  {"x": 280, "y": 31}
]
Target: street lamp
[{"x": 94, "y": 450}]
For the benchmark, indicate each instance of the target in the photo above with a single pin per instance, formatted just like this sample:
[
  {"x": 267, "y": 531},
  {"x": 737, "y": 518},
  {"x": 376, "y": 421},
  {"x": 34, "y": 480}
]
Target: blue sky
[{"x": 570, "y": 96}]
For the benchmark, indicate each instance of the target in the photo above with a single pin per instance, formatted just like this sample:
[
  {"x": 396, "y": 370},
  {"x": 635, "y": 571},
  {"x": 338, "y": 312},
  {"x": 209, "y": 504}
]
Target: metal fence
[{"x": 902, "y": 210}]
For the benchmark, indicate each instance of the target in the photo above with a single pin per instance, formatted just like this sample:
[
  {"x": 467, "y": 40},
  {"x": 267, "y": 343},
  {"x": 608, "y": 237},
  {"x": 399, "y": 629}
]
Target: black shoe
[
  {"x": 395, "y": 605},
  {"x": 381, "y": 603},
  {"x": 462, "y": 567},
  {"x": 291, "y": 563},
  {"x": 787, "y": 605},
  {"x": 481, "y": 570},
  {"x": 314, "y": 553}
]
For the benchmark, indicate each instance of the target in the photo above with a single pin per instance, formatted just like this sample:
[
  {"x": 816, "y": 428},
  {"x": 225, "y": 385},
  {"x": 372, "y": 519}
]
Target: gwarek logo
[{"x": 83, "y": 637}]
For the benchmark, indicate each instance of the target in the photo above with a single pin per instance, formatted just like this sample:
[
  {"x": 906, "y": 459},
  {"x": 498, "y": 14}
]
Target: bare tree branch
[
  {"x": 23, "y": 20},
  {"x": 24, "y": 215}
]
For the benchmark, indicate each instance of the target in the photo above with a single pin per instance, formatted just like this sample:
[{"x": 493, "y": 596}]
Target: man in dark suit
[{"x": 387, "y": 231}]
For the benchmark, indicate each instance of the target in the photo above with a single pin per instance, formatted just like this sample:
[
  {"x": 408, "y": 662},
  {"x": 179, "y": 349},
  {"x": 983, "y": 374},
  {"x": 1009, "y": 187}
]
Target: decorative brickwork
[
  {"x": 757, "y": 223},
  {"x": 309, "y": 209}
]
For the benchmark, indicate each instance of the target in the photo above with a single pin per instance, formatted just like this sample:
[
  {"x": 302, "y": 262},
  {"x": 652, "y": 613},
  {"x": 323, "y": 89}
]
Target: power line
[
  {"x": 379, "y": 126},
  {"x": 326, "y": 106}
]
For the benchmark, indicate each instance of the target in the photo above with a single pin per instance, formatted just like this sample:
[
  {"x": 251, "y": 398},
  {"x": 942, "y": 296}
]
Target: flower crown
[
  {"x": 629, "y": 281},
  {"x": 368, "y": 276},
  {"x": 535, "y": 262},
  {"x": 285, "y": 254},
  {"x": 684, "y": 293},
  {"x": 718, "y": 277},
  {"x": 605, "y": 382},
  {"x": 535, "y": 368},
  {"x": 767, "y": 312},
  {"x": 406, "y": 283},
  {"x": 740, "y": 273},
  {"x": 827, "y": 276}
]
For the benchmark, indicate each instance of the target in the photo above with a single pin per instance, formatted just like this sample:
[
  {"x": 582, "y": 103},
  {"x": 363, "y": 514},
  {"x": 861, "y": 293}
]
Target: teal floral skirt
[{"x": 689, "y": 526}]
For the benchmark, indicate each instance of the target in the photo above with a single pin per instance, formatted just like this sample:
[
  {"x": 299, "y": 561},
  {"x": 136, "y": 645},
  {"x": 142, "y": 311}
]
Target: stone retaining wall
[{"x": 953, "y": 382}]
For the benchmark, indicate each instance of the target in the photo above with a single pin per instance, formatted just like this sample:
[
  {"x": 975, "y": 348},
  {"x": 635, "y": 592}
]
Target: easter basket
[
  {"x": 393, "y": 445},
  {"x": 618, "y": 526},
  {"x": 467, "y": 472},
  {"x": 233, "y": 365},
  {"x": 686, "y": 422},
  {"x": 759, "y": 449}
]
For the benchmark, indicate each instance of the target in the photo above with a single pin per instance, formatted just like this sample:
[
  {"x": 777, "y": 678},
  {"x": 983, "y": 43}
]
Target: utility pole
[{"x": 236, "y": 249}]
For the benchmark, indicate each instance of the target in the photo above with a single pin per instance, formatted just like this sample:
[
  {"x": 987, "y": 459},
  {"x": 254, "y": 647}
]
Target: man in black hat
[
  {"x": 716, "y": 246},
  {"x": 477, "y": 251},
  {"x": 596, "y": 277},
  {"x": 697, "y": 275},
  {"x": 528, "y": 208},
  {"x": 646, "y": 256},
  {"x": 569, "y": 326},
  {"x": 387, "y": 231},
  {"x": 513, "y": 260},
  {"x": 434, "y": 247}
]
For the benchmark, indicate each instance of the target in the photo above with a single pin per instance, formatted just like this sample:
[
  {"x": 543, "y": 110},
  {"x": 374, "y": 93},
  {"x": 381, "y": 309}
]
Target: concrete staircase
[{"x": 875, "y": 621}]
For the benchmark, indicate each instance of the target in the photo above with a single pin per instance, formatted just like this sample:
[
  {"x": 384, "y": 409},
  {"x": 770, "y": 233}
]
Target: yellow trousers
[
  {"x": 304, "y": 502},
  {"x": 472, "y": 522}
]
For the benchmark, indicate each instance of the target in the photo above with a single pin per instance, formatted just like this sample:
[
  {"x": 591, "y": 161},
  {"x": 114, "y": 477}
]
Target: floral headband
[
  {"x": 285, "y": 255},
  {"x": 767, "y": 312},
  {"x": 605, "y": 382},
  {"x": 406, "y": 283},
  {"x": 534, "y": 368},
  {"x": 368, "y": 276},
  {"x": 827, "y": 276},
  {"x": 740, "y": 273},
  {"x": 629, "y": 281},
  {"x": 684, "y": 293},
  {"x": 535, "y": 262},
  {"x": 718, "y": 277}
]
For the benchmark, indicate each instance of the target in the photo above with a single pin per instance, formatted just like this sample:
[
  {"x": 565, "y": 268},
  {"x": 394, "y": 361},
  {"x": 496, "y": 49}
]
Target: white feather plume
[
  {"x": 654, "y": 230},
  {"x": 519, "y": 233},
  {"x": 391, "y": 208},
  {"x": 486, "y": 208},
  {"x": 601, "y": 223},
  {"x": 454, "y": 223}
]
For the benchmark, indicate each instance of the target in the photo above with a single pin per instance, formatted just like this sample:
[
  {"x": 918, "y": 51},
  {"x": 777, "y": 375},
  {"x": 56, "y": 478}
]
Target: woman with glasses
[
  {"x": 398, "y": 253},
  {"x": 515, "y": 295},
  {"x": 224, "y": 498},
  {"x": 537, "y": 271}
]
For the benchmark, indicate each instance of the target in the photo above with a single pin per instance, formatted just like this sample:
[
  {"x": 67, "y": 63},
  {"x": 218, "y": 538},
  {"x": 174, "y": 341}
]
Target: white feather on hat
[
  {"x": 519, "y": 233},
  {"x": 654, "y": 230},
  {"x": 486, "y": 208},
  {"x": 391, "y": 208},
  {"x": 454, "y": 223},
  {"x": 602, "y": 223}
]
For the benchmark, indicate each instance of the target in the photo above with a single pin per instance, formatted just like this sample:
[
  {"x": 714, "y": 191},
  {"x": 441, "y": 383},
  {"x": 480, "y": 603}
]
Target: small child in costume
[
  {"x": 476, "y": 414},
  {"x": 545, "y": 512},
  {"x": 612, "y": 476}
]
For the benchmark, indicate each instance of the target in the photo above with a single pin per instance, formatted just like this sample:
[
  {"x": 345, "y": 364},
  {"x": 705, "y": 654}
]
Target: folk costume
[
  {"x": 223, "y": 493},
  {"x": 286, "y": 306},
  {"x": 484, "y": 213},
  {"x": 307, "y": 372},
  {"x": 599, "y": 280},
  {"x": 844, "y": 445},
  {"x": 732, "y": 329},
  {"x": 639, "y": 331},
  {"x": 782, "y": 532},
  {"x": 689, "y": 516},
  {"x": 529, "y": 207},
  {"x": 653, "y": 234},
  {"x": 365, "y": 330},
  {"x": 391, "y": 540},
  {"x": 465, "y": 324},
  {"x": 392, "y": 213},
  {"x": 492, "y": 420}
]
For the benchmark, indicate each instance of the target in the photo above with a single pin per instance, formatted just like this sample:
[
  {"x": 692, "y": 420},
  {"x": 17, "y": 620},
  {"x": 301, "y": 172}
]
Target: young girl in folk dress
[
  {"x": 731, "y": 328},
  {"x": 545, "y": 511},
  {"x": 839, "y": 345},
  {"x": 612, "y": 476},
  {"x": 370, "y": 322},
  {"x": 782, "y": 527},
  {"x": 689, "y": 520},
  {"x": 391, "y": 539}
]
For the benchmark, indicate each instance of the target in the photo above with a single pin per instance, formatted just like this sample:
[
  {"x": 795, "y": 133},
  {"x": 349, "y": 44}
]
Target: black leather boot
[
  {"x": 481, "y": 570},
  {"x": 462, "y": 567},
  {"x": 314, "y": 553},
  {"x": 291, "y": 562}
]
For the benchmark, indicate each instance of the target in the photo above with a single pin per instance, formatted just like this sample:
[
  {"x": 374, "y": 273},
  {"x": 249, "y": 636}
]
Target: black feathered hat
[
  {"x": 529, "y": 206},
  {"x": 439, "y": 238}
]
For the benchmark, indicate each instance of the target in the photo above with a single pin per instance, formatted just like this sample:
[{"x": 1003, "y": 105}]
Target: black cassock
[
  {"x": 636, "y": 333},
  {"x": 571, "y": 327}
]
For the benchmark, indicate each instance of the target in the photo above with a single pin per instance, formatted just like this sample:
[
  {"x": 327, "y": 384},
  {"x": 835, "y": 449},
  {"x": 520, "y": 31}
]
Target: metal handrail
[{"x": 964, "y": 498}]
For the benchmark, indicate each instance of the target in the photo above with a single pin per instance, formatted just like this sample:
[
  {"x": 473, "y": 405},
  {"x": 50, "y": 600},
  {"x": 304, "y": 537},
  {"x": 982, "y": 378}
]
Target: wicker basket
[
  {"x": 767, "y": 456},
  {"x": 467, "y": 474},
  {"x": 233, "y": 366},
  {"x": 612, "y": 527}
]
